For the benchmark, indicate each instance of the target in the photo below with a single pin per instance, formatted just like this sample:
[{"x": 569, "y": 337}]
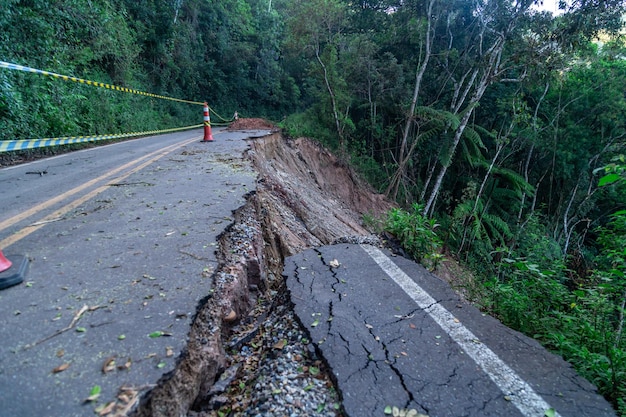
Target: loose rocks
[{"x": 279, "y": 374}]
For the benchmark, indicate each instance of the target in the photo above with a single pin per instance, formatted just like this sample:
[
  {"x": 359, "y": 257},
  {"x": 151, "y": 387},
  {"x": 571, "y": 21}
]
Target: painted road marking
[
  {"x": 22, "y": 233},
  {"x": 512, "y": 385}
]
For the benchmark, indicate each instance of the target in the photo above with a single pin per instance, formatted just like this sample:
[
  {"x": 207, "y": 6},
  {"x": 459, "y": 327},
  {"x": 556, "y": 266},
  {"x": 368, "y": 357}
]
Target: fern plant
[{"x": 477, "y": 229}]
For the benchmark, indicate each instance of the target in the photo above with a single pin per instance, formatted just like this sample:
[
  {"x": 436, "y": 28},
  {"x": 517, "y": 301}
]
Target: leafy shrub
[{"x": 416, "y": 233}]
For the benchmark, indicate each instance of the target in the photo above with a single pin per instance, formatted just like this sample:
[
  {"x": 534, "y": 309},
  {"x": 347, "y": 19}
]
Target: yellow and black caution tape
[
  {"x": 18, "y": 145},
  {"x": 16, "y": 67},
  {"x": 220, "y": 117}
]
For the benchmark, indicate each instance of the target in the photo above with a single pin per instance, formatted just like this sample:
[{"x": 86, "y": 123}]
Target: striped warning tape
[
  {"x": 18, "y": 145},
  {"x": 16, "y": 67}
]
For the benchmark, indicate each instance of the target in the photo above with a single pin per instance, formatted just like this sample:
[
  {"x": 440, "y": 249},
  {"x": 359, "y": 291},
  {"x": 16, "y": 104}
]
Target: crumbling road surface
[{"x": 395, "y": 335}]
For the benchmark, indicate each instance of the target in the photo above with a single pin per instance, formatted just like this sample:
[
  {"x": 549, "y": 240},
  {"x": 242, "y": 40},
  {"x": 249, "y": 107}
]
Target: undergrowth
[
  {"x": 417, "y": 233},
  {"x": 531, "y": 289}
]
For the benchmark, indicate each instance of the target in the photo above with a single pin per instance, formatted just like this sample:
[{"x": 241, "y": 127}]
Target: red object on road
[
  {"x": 12, "y": 270},
  {"x": 208, "y": 136},
  {"x": 4, "y": 262}
]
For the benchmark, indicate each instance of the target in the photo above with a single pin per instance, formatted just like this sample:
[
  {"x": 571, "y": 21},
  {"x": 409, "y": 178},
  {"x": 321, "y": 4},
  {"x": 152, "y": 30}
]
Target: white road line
[{"x": 512, "y": 385}]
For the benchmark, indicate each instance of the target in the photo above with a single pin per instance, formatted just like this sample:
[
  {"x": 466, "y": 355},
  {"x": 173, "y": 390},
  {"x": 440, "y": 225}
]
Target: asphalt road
[
  {"x": 122, "y": 243},
  {"x": 395, "y": 335}
]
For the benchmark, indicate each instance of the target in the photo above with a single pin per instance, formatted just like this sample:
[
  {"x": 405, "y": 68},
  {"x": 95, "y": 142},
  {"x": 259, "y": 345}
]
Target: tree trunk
[
  {"x": 333, "y": 103},
  {"x": 404, "y": 157},
  {"x": 480, "y": 90},
  {"x": 493, "y": 54},
  {"x": 530, "y": 152}
]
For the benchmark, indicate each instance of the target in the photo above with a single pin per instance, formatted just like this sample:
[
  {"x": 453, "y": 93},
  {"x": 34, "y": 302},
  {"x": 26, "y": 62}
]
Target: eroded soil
[{"x": 305, "y": 197}]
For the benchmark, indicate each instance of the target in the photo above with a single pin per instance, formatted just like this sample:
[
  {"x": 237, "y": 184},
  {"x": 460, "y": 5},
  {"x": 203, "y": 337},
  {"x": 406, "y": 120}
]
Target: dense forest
[{"x": 499, "y": 129}]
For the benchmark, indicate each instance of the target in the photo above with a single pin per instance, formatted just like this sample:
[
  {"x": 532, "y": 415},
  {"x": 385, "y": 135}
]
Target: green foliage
[
  {"x": 344, "y": 73},
  {"x": 416, "y": 233},
  {"x": 304, "y": 125},
  {"x": 585, "y": 321},
  {"x": 581, "y": 324},
  {"x": 615, "y": 172},
  {"x": 373, "y": 223},
  {"x": 525, "y": 297}
]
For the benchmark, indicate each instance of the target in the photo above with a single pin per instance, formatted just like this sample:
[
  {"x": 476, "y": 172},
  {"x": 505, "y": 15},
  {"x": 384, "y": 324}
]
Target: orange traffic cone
[
  {"x": 4, "y": 262},
  {"x": 12, "y": 271},
  {"x": 208, "y": 136}
]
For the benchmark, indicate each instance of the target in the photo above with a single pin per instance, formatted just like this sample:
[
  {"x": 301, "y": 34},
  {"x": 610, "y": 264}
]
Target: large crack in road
[{"x": 304, "y": 198}]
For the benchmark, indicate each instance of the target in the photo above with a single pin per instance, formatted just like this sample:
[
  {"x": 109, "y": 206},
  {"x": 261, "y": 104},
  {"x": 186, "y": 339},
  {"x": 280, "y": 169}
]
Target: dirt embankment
[{"x": 305, "y": 197}]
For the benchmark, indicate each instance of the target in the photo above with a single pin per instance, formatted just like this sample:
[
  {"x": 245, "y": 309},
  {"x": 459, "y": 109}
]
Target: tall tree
[
  {"x": 493, "y": 26},
  {"x": 315, "y": 27},
  {"x": 425, "y": 53}
]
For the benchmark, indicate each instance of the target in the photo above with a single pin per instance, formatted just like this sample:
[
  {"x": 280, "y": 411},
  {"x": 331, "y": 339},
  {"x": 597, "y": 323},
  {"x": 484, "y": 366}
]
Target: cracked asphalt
[
  {"x": 437, "y": 355},
  {"x": 116, "y": 280}
]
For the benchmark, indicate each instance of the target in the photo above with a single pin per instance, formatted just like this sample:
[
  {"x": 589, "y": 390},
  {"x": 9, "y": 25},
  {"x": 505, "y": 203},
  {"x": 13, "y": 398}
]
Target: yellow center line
[{"x": 22, "y": 233}]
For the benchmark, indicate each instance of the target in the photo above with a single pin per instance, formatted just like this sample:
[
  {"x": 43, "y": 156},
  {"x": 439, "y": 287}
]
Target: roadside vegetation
[{"x": 499, "y": 130}]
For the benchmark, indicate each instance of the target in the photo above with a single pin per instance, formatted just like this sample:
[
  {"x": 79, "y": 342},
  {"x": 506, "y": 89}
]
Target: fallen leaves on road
[
  {"x": 401, "y": 412},
  {"x": 93, "y": 394},
  {"x": 104, "y": 409},
  {"x": 109, "y": 365},
  {"x": 73, "y": 323},
  {"x": 126, "y": 400},
  {"x": 280, "y": 344},
  {"x": 61, "y": 368},
  {"x": 159, "y": 333},
  {"x": 126, "y": 364}
]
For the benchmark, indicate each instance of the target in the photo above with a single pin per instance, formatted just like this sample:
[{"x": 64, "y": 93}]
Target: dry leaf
[
  {"x": 61, "y": 368},
  {"x": 231, "y": 316},
  {"x": 412, "y": 326},
  {"x": 169, "y": 351},
  {"x": 404, "y": 354},
  {"x": 109, "y": 365},
  {"x": 334, "y": 263},
  {"x": 280, "y": 344},
  {"x": 108, "y": 409}
]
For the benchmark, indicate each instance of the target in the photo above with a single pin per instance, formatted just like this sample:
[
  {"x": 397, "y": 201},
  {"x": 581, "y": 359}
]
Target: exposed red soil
[{"x": 251, "y": 124}]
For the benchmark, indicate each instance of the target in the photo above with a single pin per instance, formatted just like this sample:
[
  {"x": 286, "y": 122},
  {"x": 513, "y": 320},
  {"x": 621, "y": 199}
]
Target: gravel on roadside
[{"x": 274, "y": 371}]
